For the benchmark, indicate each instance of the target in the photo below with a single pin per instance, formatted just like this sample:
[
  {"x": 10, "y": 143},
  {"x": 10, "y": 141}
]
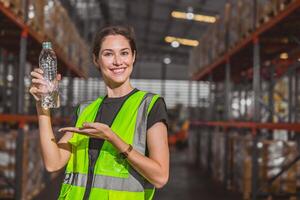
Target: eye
[
  {"x": 107, "y": 54},
  {"x": 124, "y": 53}
]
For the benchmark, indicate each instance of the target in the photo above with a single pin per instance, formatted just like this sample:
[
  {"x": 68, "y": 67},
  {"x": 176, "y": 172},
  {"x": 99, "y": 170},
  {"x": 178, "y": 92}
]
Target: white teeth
[{"x": 117, "y": 71}]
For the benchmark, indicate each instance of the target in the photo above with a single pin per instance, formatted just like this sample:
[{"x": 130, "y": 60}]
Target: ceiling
[{"x": 152, "y": 21}]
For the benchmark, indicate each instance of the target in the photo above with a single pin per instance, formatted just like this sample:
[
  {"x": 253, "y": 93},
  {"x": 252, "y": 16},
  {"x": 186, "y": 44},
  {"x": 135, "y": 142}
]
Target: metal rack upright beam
[
  {"x": 19, "y": 194},
  {"x": 256, "y": 115}
]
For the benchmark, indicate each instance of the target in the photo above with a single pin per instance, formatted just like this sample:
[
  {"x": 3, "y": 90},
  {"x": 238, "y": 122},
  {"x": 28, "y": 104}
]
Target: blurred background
[{"x": 228, "y": 70}]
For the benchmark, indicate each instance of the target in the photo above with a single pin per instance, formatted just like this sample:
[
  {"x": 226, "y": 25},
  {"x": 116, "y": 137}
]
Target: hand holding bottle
[{"x": 39, "y": 86}]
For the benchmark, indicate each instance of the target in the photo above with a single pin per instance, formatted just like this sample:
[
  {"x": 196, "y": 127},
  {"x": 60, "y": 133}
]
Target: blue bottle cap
[{"x": 47, "y": 45}]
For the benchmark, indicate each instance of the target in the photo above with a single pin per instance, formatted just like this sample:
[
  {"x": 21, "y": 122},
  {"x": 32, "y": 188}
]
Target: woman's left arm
[{"x": 154, "y": 168}]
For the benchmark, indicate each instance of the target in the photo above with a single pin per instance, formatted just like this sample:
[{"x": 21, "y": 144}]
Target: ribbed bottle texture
[{"x": 48, "y": 63}]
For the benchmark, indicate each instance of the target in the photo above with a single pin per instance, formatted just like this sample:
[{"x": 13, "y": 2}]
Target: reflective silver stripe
[
  {"x": 114, "y": 183},
  {"x": 140, "y": 132},
  {"x": 76, "y": 179},
  {"x": 82, "y": 106},
  {"x": 140, "y": 135},
  {"x": 130, "y": 184}
]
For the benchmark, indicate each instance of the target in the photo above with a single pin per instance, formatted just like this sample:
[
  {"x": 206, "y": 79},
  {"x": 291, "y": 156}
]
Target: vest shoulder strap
[{"x": 82, "y": 106}]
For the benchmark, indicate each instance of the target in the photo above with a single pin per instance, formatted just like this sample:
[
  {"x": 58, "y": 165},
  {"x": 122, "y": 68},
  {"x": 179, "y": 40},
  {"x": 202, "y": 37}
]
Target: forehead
[{"x": 115, "y": 41}]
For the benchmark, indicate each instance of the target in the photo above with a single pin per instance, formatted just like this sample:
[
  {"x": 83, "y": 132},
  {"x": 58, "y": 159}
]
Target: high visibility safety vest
[{"x": 114, "y": 178}]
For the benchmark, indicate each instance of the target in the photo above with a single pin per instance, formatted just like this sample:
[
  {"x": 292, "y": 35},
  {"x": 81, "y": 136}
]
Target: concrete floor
[{"x": 186, "y": 182}]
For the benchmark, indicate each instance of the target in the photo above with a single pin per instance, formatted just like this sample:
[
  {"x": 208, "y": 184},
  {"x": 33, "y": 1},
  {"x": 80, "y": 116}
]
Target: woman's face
[{"x": 115, "y": 60}]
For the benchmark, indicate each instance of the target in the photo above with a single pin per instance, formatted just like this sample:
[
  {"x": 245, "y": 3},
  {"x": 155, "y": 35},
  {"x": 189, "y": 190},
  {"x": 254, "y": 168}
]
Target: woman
[{"x": 118, "y": 148}]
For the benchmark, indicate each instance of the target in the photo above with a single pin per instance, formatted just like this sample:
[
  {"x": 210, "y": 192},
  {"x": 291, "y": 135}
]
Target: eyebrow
[{"x": 113, "y": 50}]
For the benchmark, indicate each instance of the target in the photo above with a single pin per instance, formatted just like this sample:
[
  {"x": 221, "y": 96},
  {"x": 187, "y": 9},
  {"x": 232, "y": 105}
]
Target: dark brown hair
[{"x": 125, "y": 31}]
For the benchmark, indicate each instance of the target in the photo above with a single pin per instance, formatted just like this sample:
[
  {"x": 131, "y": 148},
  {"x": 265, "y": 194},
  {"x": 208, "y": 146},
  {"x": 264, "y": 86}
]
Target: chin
[{"x": 117, "y": 81}]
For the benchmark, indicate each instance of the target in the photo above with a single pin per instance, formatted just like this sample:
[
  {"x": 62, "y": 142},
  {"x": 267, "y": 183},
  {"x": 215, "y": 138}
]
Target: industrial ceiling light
[
  {"x": 167, "y": 60},
  {"x": 284, "y": 56},
  {"x": 175, "y": 44},
  {"x": 31, "y": 12},
  {"x": 259, "y": 145},
  {"x": 51, "y": 3},
  {"x": 182, "y": 41},
  {"x": 192, "y": 16},
  {"x": 190, "y": 13}
]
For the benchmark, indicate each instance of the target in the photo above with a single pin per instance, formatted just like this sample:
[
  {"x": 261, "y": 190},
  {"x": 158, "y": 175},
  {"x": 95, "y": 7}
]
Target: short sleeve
[
  {"x": 74, "y": 117},
  {"x": 158, "y": 113}
]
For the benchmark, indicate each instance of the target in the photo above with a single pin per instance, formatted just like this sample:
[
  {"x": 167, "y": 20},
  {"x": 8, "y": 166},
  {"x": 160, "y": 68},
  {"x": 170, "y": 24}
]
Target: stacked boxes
[
  {"x": 218, "y": 144},
  {"x": 49, "y": 18},
  {"x": 236, "y": 22},
  {"x": 14, "y": 5},
  {"x": 60, "y": 28},
  {"x": 7, "y": 163},
  {"x": 36, "y": 15},
  {"x": 34, "y": 172},
  {"x": 247, "y": 17},
  {"x": 273, "y": 155}
]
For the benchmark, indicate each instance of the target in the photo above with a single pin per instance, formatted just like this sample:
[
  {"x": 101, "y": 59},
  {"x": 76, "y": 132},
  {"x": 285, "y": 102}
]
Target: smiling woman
[
  {"x": 118, "y": 146},
  {"x": 115, "y": 60}
]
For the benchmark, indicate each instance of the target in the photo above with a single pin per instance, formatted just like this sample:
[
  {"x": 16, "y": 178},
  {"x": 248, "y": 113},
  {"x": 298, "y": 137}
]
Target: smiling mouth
[{"x": 118, "y": 70}]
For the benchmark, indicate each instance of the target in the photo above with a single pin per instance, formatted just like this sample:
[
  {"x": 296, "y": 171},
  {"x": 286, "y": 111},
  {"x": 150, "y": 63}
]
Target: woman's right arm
[{"x": 55, "y": 154}]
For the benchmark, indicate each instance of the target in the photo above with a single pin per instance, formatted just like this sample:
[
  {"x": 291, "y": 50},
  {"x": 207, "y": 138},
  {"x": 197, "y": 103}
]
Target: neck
[{"x": 119, "y": 91}]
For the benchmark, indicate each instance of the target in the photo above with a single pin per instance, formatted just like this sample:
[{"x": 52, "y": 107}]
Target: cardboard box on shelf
[
  {"x": 62, "y": 31},
  {"x": 235, "y": 23},
  {"x": 217, "y": 148},
  {"x": 33, "y": 15},
  {"x": 33, "y": 170},
  {"x": 14, "y": 5},
  {"x": 273, "y": 155},
  {"x": 194, "y": 60}
]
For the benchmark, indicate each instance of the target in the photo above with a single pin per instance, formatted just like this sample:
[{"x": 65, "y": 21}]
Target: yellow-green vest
[{"x": 114, "y": 178}]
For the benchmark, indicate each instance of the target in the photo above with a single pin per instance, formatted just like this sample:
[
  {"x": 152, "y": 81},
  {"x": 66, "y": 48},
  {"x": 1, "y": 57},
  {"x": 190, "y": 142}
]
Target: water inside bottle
[
  {"x": 48, "y": 64},
  {"x": 51, "y": 99}
]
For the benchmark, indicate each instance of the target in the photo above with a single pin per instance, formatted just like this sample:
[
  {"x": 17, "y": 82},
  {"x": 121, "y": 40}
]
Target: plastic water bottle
[{"x": 48, "y": 63}]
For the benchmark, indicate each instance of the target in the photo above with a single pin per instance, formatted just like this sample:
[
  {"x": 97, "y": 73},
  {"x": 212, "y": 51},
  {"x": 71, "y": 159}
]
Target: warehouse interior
[{"x": 227, "y": 69}]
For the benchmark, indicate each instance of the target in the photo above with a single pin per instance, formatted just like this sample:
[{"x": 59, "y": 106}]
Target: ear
[
  {"x": 134, "y": 53},
  {"x": 95, "y": 60}
]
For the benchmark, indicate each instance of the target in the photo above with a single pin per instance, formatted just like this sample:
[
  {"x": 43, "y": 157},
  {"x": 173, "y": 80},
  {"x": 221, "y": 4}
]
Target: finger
[
  {"x": 90, "y": 125},
  {"x": 93, "y": 135},
  {"x": 38, "y": 81},
  {"x": 74, "y": 129},
  {"x": 38, "y": 70},
  {"x": 39, "y": 90},
  {"x": 37, "y": 75},
  {"x": 64, "y": 130},
  {"x": 37, "y": 98},
  {"x": 35, "y": 91},
  {"x": 71, "y": 129},
  {"x": 88, "y": 130}
]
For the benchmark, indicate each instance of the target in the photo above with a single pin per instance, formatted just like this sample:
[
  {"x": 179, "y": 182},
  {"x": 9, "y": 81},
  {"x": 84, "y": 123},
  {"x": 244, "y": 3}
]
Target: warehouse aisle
[{"x": 186, "y": 182}]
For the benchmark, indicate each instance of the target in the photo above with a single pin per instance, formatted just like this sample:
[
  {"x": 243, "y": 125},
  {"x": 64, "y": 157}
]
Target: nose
[{"x": 117, "y": 60}]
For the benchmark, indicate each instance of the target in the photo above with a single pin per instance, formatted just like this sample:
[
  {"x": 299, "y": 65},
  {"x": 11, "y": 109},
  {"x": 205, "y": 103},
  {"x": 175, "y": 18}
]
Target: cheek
[
  {"x": 129, "y": 61},
  {"x": 105, "y": 62}
]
